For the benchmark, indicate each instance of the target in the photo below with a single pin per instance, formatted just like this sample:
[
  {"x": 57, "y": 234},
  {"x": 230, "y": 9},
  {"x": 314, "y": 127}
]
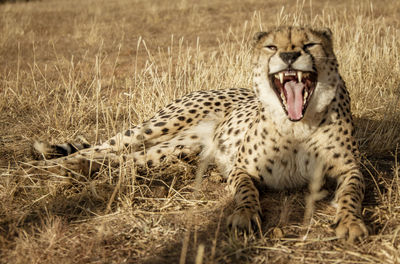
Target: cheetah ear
[
  {"x": 326, "y": 32},
  {"x": 258, "y": 36}
]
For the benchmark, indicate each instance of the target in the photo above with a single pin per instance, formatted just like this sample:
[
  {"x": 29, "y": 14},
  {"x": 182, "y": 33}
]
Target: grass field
[{"x": 93, "y": 67}]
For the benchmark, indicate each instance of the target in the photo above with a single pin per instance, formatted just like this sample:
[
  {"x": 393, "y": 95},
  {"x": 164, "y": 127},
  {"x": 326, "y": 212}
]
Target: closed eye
[
  {"x": 310, "y": 45},
  {"x": 271, "y": 47}
]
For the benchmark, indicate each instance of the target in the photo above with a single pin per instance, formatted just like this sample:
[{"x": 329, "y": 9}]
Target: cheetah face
[{"x": 294, "y": 57}]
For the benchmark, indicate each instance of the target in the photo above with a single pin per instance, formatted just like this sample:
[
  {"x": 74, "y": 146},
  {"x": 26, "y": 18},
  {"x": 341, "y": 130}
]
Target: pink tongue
[{"x": 294, "y": 96}]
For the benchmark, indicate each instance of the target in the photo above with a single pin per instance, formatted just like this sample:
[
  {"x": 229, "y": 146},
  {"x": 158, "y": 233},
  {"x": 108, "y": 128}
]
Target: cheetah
[{"x": 296, "y": 119}]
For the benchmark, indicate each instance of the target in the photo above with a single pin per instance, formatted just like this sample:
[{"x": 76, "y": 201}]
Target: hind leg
[
  {"x": 89, "y": 161},
  {"x": 173, "y": 120}
]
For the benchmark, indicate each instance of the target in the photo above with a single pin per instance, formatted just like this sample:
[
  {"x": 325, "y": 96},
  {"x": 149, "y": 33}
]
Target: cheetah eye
[
  {"x": 309, "y": 45},
  {"x": 271, "y": 47}
]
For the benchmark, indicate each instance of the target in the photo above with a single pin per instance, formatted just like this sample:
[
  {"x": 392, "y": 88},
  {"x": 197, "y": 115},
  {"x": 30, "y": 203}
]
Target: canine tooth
[
  {"x": 299, "y": 75},
  {"x": 281, "y": 77}
]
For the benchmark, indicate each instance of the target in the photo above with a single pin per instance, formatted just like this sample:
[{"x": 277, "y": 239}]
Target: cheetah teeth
[
  {"x": 300, "y": 75},
  {"x": 305, "y": 96},
  {"x": 283, "y": 99}
]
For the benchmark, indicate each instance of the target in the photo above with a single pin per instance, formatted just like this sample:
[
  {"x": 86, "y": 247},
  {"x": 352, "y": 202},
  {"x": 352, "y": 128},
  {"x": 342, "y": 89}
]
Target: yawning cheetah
[{"x": 296, "y": 119}]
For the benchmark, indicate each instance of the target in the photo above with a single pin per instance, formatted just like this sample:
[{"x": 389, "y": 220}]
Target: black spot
[
  {"x": 128, "y": 132},
  {"x": 148, "y": 131},
  {"x": 159, "y": 124},
  {"x": 189, "y": 120},
  {"x": 181, "y": 118},
  {"x": 336, "y": 155},
  {"x": 165, "y": 130},
  {"x": 149, "y": 163},
  {"x": 112, "y": 142},
  {"x": 192, "y": 111}
]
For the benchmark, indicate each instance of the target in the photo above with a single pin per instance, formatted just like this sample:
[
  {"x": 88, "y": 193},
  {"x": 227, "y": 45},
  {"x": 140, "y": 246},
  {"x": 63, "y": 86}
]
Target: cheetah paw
[
  {"x": 246, "y": 219},
  {"x": 351, "y": 228}
]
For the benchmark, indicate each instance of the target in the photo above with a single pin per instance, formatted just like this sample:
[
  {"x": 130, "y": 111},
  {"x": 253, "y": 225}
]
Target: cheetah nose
[{"x": 289, "y": 57}]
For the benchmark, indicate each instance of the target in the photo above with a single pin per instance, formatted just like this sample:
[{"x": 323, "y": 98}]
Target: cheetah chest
[
  {"x": 275, "y": 160},
  {"x": 280, "y": 166}
]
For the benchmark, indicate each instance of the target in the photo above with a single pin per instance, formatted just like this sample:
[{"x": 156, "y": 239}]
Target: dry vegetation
[{"x": 91, "y": 68}]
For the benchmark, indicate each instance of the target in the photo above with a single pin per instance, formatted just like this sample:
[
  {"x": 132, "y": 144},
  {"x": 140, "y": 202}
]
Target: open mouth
[{"x": 294, "y": 89}]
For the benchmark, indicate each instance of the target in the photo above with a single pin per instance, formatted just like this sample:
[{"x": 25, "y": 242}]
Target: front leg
[
  {"x": 349, "y": 196},
  {"x": 247, "y": 213}
]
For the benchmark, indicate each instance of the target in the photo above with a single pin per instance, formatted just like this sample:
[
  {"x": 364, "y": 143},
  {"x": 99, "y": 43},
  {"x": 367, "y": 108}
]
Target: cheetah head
[{"x": 292, "y": 63}]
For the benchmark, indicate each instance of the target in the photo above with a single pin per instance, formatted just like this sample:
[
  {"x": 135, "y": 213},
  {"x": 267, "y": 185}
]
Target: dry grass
[{"x": 92, "y": 68}]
